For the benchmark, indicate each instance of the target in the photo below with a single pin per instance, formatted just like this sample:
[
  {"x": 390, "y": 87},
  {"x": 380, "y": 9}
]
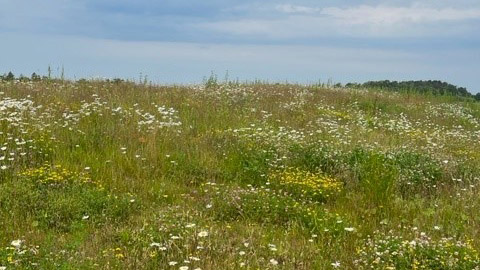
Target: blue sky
[{"x": 180, "y": 41}]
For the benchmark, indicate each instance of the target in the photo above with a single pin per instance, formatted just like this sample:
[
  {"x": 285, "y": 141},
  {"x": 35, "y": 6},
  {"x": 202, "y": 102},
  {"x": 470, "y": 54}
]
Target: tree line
[
  {"x": 433, "y": 87},
  {"x": 11, "y": 77}
]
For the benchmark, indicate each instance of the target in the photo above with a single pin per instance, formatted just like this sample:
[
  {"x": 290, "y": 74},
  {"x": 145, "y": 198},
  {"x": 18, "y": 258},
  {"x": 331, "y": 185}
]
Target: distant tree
[
  {"x": 23, "y": 78},
  {"x": 425, "y": 87},
  {"x": 10, "y": 76},
  {"x": 352, "y": 85},
  {"x": 477, "y": 96},
  {"x": 36, "y": 77}
]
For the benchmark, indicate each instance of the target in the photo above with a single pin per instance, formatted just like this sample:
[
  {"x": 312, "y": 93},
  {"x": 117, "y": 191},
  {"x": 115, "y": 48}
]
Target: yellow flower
[{"x": 307, "y": 183}]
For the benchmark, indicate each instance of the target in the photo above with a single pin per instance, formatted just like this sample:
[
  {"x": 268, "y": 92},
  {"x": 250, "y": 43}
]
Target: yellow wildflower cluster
[
  {"x": 306, "y": 183},
  {"x": 116, "y": 253},
  {"x": 56, "y": 176},
  {"x": 334, "y": 113}
]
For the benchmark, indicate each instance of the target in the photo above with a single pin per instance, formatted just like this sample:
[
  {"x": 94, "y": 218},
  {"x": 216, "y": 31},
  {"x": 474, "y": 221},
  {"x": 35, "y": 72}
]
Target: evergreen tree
[
  {"x": 35, "y": 77},
  {"x": 10, "y": 76}
]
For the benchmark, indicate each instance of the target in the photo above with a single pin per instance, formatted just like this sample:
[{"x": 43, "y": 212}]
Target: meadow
[{"x": 123, "y": 175}]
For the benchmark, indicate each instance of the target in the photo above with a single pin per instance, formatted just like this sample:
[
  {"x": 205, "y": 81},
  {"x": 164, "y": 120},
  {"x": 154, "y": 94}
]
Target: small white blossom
[
  {"x": 273, "y": 261},
  {"x": 17, "y": 243},
  {"x": 203, "y": 234}
]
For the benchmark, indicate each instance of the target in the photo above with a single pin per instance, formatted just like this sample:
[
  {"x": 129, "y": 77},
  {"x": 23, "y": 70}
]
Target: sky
[{"x": 304, "y": 41}]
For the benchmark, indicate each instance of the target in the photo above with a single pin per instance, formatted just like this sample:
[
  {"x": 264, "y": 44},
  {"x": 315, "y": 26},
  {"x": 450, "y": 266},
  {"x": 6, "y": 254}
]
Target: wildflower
[
  {"x": 273, "y": 261},
  {"x": 349, "y": 229},
  {"x": 85, "y": 217},
  {"x": 335, "y": 264},
  {"x": 436, "y": 228},
  {"x": 17, "y": 243},
  {"x": 155, "y": 244},
  {"x": 172, "y": 263},
  {"x": 3, "y": 167},
  {"x": 183, "y": 268},
  {"x": 203, "y": 234}
]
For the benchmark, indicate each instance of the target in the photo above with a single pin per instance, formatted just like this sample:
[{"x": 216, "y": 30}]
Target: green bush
[{"x": 417, "y": 172}]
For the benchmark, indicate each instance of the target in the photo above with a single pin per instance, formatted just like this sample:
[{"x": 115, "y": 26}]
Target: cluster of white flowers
[{"x": 164, "y": 118}]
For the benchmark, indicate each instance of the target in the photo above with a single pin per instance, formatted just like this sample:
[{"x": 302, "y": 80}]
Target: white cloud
[
  {"x": 287, "y": 8},
  {"x": 415, "y": 14},
  {"x": 296, "y": 21}
]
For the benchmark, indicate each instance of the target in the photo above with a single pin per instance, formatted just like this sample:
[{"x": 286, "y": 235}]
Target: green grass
[{"x": 102, "y": 175}]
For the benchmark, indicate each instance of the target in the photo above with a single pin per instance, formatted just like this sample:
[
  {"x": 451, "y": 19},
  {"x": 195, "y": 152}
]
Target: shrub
[
  {"x": 417, "y": 172},
  {"x": 316, "y": 156}
]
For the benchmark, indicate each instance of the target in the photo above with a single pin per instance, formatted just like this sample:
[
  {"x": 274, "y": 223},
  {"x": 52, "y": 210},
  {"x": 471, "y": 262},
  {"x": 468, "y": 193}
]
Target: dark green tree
[
  {"x": 36, "y": 77},
  {"x": 434, "y": 87},
  {"x": 10, "y": 76}
]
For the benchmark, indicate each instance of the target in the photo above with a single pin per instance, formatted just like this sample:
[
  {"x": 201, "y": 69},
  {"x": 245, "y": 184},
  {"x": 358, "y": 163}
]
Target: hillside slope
[{"x": 117, "y": 175}]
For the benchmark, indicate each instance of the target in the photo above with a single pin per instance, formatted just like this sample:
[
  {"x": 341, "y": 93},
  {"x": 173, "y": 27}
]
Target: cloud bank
[
  {"x": 303, "y": 40},
  {"x": 295, "y": 21}
]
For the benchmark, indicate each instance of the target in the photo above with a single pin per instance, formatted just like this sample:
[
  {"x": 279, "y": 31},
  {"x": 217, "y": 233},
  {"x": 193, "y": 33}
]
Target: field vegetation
[{"x": 121, "y": 175}]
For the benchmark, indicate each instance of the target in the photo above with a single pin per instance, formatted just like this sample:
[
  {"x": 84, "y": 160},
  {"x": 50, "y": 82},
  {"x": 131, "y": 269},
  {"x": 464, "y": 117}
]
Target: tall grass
[{"x": 118, "y": 175}]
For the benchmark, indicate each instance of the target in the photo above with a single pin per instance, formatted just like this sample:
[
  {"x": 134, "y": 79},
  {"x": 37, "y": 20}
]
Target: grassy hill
[{"x": 117, "y": 175}]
